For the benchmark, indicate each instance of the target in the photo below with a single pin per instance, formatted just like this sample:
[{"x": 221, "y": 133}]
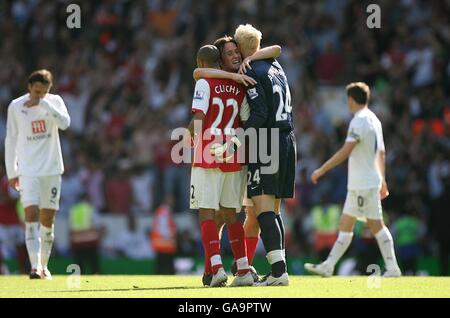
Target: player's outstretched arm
[
  {"x": 215, "y": 73},
  {"x": 341, "y": 155},
  {"x": 59, "y": 112},
  {"x": 269, "y": 52}
]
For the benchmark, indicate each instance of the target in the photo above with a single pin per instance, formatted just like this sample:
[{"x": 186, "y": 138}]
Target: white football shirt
[
  {"x": 32, "y": 146},
  {"x": 363, "y": 171}
]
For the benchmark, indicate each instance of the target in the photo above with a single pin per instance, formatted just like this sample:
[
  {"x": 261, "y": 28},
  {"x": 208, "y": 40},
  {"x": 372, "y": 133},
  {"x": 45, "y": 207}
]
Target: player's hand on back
[
  {"x": 32, "y": 102},
  {"x": 245, "y": 65},
  {"x": 384, "y": 191},
  {"x": 244, "y": 79}
]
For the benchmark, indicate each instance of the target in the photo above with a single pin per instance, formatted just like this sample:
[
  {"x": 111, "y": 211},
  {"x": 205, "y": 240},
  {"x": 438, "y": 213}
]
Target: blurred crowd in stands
[{"x": 126, "y": 78}]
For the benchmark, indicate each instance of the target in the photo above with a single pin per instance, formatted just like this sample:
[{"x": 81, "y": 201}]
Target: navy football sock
[
  {"x": 271, "y": 237},
  {"x": 281, "y": 226}
]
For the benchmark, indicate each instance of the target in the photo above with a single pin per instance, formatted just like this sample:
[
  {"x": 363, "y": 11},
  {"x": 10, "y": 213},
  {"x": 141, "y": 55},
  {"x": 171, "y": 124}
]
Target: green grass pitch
[{"x": 190, "y": 287}]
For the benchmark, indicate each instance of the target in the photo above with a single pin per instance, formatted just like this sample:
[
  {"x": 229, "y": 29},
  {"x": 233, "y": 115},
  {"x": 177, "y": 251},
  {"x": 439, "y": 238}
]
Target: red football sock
[
  {"x": 208, "y": 269},
  {"x": 236, "y": 235},
  {"x": 251, "y": 243},
  {"x": 211, "y": 244}
]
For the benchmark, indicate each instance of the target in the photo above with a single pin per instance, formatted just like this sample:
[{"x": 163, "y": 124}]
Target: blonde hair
[{"x": 248, "y": 38}]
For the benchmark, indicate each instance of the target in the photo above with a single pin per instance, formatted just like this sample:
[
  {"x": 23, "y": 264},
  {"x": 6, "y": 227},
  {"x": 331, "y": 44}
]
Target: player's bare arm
[
  {"x": 216, "y": 73},
  {"x": 195, "y": 124},
  {"x": 340, "y": 156},
  {"x": 384, "y": 191},
  {"x": 273, "y": 51}
]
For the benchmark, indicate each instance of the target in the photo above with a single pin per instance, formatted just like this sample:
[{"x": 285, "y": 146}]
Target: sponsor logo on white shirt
[{"x": 38, "y": 126}]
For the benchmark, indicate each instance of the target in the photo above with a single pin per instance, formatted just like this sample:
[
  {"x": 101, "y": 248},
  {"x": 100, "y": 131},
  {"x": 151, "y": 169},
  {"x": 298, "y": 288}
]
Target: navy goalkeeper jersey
[{"x": 270, "y": 98}]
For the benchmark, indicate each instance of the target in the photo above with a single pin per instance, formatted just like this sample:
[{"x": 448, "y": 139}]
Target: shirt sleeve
[
  {"x": 11, "y": 139},
  {"x": 256, "y": 98},
  {"x": 355, "y": 131},
  {"x": 58, "y": 111},
  {"x": 200, "y": 101},
  {"x": 244, "y": 113}
]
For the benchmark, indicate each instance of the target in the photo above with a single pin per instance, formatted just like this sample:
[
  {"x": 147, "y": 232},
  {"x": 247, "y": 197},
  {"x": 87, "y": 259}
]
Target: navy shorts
[{"x": 280, "y": 179}]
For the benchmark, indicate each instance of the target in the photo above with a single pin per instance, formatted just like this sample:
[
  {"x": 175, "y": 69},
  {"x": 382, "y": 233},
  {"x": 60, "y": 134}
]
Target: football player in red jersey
[
  {"x": 231, "y": 63},
  {"x": 215, "y": 182}
]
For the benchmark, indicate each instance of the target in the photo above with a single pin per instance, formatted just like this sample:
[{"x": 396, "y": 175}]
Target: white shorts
[
  {"x": 245, "y": 201},
  {"x": 363, "y": 204},
  {"x": 41, "y": 191},
  {"x": 213, "y": 188}
]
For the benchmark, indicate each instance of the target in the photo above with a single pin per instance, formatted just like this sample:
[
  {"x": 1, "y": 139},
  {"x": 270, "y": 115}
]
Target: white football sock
[
  {"x": 275, "y": 256},
  {"x": 386, "y": 245},
  {"x": 47, "y": 236},
  {"x": 242, "y": 263},
  {"x": 340, "y": 246},
  {"x": 33, "y": 242}
]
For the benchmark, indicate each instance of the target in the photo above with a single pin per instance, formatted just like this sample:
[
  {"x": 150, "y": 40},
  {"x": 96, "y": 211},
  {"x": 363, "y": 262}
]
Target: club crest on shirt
[{"x": 252, "y": 93}]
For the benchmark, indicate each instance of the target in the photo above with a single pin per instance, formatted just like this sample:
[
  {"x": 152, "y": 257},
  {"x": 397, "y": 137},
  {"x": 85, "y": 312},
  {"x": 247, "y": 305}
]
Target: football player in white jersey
[
  {"x": 366, "y": 183},
  {"x": 34, "y": 163}
]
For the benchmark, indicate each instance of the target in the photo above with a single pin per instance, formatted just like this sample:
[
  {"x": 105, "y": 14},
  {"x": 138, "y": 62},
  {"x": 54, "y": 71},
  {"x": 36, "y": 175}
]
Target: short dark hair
[
  {"x": 209, "y": 54},
  {"x": 220, "y": 43},
  {"x": 42, "y": 76},
  {"x": 359, "y": 91}
]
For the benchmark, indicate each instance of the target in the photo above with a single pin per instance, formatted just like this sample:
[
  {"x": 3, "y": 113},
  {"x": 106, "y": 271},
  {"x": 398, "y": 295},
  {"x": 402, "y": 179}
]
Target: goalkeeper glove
[{"x": 218, "y": 149}]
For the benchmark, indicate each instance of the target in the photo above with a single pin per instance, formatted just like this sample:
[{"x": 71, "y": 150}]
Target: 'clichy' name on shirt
[{"x": 226, "y": 89}]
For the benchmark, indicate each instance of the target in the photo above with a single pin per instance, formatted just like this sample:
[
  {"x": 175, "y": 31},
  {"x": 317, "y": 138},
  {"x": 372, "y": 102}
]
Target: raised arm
[
  {"x": 212, "y": 73},
  {"x": 216, "y": 73},
  {"x": 265, "y": 53},
  {"x": 58, "y": 111}
]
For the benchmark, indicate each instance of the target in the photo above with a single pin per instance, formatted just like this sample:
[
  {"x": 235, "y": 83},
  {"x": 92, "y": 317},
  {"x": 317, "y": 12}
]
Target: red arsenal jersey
[{"x": 220, "y": 100}]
